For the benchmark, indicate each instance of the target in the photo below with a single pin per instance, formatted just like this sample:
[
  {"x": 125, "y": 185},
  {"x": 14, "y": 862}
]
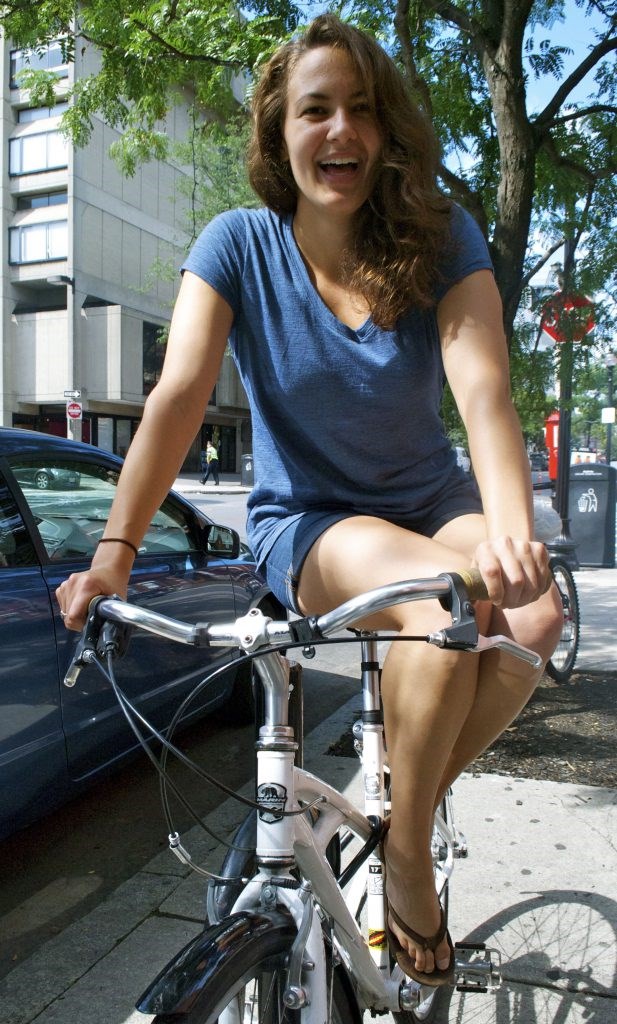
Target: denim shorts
[{"x": 285, "y": 558}]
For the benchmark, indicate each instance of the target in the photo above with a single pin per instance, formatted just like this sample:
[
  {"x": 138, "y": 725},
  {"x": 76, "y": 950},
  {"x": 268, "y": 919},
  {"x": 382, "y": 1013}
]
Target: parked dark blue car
[{"x": 54, "y": 740}]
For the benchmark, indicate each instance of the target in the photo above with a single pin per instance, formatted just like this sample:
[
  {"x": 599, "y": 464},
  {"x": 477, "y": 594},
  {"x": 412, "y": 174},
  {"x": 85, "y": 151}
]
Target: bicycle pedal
[
  {"x": 476, "y": 968},
  {"x": 460, "y": 849}
]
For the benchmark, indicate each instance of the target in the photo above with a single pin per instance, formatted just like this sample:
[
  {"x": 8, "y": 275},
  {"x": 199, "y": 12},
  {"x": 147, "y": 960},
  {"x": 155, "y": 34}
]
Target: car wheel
[{"x": 42, "y": 481}]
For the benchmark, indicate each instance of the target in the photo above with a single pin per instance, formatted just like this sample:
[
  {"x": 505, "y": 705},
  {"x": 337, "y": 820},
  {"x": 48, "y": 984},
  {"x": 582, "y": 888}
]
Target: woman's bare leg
[
  {"x": 429, "y": 695},
  {"x": 537, "y": 627}
]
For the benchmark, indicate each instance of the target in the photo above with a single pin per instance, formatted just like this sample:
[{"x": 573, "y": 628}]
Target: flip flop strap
[{"x": 420, "y": 940}]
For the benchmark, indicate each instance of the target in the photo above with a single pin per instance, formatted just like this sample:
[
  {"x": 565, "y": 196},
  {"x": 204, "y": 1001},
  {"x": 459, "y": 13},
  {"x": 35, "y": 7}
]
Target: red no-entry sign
[
  {"x": 73, "y": 410},
  {"x": 567, "y": 317}
]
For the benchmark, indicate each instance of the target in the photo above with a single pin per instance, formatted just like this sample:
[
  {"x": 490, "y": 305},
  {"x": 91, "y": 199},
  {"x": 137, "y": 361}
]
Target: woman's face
[{"x": 331, "y": 136}]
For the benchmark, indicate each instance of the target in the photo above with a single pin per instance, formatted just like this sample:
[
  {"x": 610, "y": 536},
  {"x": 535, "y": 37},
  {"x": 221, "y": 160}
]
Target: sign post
[
  {"x": 74, "y": 412},
  {"x": 566, "y": 318}
]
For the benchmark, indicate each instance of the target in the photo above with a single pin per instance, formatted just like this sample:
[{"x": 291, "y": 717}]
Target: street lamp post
[{"x": 610, "y": 365}]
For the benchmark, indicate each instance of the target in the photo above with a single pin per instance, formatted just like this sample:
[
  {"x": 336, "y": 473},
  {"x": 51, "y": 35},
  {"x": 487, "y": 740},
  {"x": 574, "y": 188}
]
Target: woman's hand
[
  {"x": 106, "y": 577},
  {"x": 516, "y": 572}
]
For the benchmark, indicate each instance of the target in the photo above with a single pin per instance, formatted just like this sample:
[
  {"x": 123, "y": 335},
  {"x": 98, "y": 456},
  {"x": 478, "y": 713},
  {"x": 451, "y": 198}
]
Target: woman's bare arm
[
  {"x": 172, "y": 416},
  {"x": 476, "y": 363}
]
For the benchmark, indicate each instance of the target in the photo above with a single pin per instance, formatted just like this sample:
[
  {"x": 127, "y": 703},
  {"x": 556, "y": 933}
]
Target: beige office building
[{"x": 82, "y": 302}]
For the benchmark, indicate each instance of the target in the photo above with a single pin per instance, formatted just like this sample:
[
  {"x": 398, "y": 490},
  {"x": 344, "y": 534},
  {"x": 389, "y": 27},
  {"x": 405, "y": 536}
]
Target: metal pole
[
  {"x": 564, "y": 543},
  {"x": 609, "y": 426}
]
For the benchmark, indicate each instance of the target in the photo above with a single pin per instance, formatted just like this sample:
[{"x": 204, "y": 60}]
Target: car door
[
  {"x": 172, "y": 574},
  {"x": 33, "y": 766}
]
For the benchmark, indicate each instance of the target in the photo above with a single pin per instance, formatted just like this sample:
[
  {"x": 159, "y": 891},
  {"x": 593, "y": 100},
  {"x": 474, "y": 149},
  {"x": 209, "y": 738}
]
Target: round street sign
[
  {"x": 567, "y": 317},
  {"x": 73, "y": 410}
]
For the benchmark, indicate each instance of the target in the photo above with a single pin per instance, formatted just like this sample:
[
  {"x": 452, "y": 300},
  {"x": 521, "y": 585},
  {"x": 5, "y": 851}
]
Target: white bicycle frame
[
  {"x": 289, "y": 831},
  {"x": 299, "y": 840}
]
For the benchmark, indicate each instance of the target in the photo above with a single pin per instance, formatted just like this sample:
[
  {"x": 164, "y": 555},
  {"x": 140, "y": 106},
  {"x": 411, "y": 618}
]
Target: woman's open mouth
[{"x": 345, "y": 167}]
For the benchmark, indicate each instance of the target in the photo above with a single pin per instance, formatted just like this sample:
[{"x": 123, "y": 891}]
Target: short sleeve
[
  {"x": 217, "y": 256},
  {"x": 468, "y": 252}
]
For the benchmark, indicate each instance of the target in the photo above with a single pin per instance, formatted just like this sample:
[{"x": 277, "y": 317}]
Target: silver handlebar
[{"x": 254, "y": 630}]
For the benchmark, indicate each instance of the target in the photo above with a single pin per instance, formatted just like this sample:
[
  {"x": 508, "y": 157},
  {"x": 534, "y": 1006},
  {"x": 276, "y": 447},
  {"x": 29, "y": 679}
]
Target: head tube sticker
[{"x": 271, "y": 797}]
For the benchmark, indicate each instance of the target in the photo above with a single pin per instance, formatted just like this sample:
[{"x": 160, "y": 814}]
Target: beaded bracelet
[{"x": 119, "y": 540}]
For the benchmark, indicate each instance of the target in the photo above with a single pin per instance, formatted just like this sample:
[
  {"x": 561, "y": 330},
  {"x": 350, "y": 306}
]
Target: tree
[{"x": 530, "y": 179}]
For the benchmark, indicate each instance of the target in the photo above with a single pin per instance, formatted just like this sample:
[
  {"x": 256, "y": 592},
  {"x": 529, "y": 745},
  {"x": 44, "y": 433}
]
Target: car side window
[
  {"x": 16, "y": 549},
  {"x": 70, "y": 503}
]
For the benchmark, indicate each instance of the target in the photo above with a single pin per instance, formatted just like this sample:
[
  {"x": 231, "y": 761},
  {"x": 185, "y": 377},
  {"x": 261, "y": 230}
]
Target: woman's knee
[{"x": 537, "y": 626}]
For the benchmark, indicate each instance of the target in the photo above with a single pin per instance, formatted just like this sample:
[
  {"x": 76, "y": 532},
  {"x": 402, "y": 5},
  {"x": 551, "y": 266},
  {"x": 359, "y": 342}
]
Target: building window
[
  {"x": 30, "y": 154},
  {"x": 153, "y": 355},
  {"x": 38, "y": 243},
  {"x": 49, "y": 58},
  {"x": 29, "y": 114},
  {"x": 35, "y": 202}
]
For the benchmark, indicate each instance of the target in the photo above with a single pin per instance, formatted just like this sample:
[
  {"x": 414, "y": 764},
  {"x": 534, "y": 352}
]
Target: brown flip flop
[{"x": 404, "y": 960}]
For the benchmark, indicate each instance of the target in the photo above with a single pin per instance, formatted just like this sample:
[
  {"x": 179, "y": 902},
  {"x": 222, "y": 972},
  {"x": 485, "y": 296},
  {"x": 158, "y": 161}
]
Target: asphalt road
[{"x": 61, "y": 868}]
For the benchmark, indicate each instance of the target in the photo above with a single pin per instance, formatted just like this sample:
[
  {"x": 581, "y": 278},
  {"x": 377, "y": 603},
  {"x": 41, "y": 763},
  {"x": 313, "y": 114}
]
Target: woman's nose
[{"x": 341, "y": 125}]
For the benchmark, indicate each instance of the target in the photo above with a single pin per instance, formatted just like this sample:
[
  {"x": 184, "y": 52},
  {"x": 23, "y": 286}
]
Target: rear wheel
[{"x": 563, "y": 658}]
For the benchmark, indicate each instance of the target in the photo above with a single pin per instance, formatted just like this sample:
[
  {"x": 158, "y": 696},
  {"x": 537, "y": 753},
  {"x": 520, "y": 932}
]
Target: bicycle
[
  {"x": 297, "y": 917},
  {"x": 563, "y": 659}
]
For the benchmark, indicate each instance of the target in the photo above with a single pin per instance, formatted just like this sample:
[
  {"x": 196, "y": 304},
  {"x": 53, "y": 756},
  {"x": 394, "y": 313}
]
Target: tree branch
[
  {"x": 401, "y": 25},
  {"x": 537, "y": 267},
  {"x": 598, "y": 108},
  {"x": 173, "y": 51},
  {"x": 471, "y": 200},
  {"x": 592, "y": 177},
  {"x": 545, "y": 118}
]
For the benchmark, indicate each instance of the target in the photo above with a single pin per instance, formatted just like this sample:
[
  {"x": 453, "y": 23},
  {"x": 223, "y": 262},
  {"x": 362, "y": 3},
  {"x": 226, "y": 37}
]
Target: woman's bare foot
[{"x": 411, "y": 893}]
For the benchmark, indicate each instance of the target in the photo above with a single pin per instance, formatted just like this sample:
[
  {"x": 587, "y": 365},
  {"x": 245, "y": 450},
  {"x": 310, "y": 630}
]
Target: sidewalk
[
  {"x": 539, "y": 885},
  {"x": 229, "y": 483}
]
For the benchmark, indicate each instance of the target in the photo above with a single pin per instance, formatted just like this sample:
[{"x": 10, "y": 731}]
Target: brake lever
[
  {"x": 503, "y": 643},
  {"x": 98, "y": 637},
  {"x": 487, "y": 643}
]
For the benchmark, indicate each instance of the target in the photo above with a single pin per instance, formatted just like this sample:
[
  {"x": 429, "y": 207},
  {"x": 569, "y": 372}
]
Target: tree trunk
[{"x": 517, "y": 160}]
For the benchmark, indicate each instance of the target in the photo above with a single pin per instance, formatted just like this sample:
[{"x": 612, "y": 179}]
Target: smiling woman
[{"x": 346, "y": 300}]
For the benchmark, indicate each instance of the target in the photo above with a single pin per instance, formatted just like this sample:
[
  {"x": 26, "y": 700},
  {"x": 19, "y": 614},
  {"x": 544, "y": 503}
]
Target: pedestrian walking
[{"x": 212, "y": 464}]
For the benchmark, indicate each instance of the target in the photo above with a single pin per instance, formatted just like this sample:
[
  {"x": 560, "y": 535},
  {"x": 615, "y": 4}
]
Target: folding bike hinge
[{"x": 476, "y": 968}]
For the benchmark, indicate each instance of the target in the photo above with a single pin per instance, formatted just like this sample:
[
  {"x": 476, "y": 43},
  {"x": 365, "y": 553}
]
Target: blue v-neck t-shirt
[{"x": 344, "y": 421}]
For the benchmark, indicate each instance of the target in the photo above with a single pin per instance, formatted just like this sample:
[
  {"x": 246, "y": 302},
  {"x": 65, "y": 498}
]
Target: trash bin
[
  {"x": 246, "y": 476},
  {"x": 592, "y": 496}
]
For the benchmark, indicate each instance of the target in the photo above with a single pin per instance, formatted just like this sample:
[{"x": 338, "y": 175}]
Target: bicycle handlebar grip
[{"x": 475, "y": 585}]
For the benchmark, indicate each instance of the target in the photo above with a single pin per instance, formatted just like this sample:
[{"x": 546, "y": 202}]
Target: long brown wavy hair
[{"x": 403, "y": 228}]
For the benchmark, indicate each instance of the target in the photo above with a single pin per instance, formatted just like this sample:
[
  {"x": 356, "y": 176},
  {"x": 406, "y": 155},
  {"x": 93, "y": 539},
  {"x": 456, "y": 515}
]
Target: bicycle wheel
[
  {"x": 562, "y": 660},
  {"x": 248, "y": 988}
]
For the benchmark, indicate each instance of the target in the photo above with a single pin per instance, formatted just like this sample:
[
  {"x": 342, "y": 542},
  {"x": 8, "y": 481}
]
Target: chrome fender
[{"x": 191, "y": 982}]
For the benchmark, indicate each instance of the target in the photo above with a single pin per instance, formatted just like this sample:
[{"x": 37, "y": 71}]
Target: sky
[{"x": 575, "y": 32}]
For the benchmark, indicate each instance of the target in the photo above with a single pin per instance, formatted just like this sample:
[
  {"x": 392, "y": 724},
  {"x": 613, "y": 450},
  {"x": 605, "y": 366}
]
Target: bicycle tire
[
  {"x": 561, "y": 663},
  {"x": 249, "y": 989}
]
